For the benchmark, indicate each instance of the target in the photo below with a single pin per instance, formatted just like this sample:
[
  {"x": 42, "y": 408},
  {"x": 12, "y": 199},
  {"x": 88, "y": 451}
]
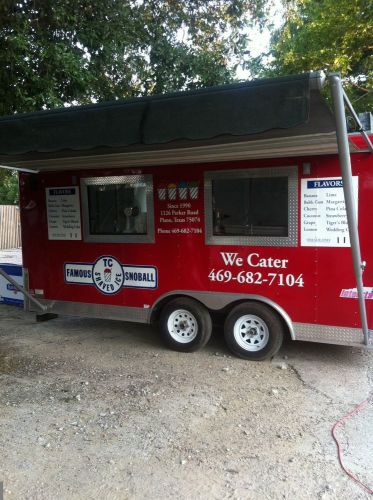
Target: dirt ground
[{"x": 100, "y": 409}]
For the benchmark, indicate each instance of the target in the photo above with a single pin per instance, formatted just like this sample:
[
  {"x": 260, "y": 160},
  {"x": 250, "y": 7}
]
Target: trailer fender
[{"x": 216, "y": 301}]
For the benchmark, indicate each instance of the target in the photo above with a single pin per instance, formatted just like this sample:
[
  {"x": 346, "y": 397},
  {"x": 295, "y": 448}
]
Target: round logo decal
[{"x": 108, "y": 275}]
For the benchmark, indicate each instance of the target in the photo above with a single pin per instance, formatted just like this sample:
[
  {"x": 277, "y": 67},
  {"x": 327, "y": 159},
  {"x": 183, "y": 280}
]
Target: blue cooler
[{"x": 8, "y": 294}]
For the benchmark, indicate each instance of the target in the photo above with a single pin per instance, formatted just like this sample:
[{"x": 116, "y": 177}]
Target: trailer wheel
[
  {"x": 253, "y": 331},
  {"x": 185, "y": 325}
]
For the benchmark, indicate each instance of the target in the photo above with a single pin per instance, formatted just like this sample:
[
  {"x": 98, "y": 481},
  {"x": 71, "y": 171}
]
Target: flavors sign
[
  {"x": 63, "y": 213},
  {"x": 323, "y": 212}
]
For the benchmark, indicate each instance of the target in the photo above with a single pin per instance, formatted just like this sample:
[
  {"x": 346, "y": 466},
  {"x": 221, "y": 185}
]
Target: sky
[{"x": 259, "y": 40}]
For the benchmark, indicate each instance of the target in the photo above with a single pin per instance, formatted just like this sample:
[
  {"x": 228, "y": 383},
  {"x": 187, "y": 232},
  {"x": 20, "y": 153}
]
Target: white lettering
[
  {"x": 254, "y": 260},
  {"x": 229, "y": 258}
]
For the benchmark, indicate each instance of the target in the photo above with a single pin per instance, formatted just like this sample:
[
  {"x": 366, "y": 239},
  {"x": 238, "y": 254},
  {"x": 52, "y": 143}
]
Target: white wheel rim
[
  {"x": 251, "y": 333},
  {"x": 182, "y": 326}
]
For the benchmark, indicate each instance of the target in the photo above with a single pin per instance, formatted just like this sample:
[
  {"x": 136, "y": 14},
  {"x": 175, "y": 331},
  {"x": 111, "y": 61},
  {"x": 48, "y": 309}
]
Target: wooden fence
[{"x": 10, "y": 227}]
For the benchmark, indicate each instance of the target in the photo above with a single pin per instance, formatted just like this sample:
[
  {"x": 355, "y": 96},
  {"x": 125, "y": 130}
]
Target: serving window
[
  {"x": 118, "y": 209},
  {"x": 252, "y": 207}
]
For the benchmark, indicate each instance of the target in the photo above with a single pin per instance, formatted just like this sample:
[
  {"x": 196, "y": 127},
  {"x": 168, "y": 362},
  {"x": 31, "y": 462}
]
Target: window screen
[
  {"x": 253, "y": 206},
  {"x": 256, "y": 206},
  {"x": 118, "y": 208}
]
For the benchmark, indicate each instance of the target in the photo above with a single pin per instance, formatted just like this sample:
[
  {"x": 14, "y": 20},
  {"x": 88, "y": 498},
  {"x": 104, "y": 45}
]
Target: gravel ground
[{"x": 100, "y": 409}]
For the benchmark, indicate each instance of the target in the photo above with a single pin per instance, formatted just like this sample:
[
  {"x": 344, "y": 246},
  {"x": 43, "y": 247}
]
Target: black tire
[
  {"x": 194, "y": 320},
  {"x": 253, "y": 331}
]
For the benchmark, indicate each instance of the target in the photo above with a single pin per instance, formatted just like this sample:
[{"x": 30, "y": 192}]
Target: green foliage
[
  {"x": 329, "y": 35},
  {"x": 63, "y": 51},
  {"x": 8, "y": 187},
  {"x": 54, "y": 53}
]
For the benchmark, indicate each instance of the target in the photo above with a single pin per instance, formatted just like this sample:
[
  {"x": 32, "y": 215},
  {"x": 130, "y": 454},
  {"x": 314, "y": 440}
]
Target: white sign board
[
  {"x": 108, "y": 275},
  {"x": 8, "y": 292},
  {"x": 63, "y": 213},
  {"x": 323, "y": 212}
]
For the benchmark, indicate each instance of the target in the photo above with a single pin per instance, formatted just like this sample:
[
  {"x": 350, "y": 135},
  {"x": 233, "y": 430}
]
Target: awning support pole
[
  {"x": 345, "y": 164},
  {"x": 21, "y": 289}
]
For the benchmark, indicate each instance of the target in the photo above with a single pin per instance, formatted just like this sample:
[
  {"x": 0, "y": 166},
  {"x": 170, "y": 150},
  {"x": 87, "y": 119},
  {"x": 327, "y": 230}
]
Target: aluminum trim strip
[
  {"x": 310, "y": 332},
  {"x": 104, "y": 311}
]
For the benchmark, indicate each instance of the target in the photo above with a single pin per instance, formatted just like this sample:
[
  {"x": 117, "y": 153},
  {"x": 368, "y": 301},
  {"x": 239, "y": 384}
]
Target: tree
[
  {"x": 55, "y": 53},
  {"x": 328, "y": 35},
  {"x": 8, "y": 187}
]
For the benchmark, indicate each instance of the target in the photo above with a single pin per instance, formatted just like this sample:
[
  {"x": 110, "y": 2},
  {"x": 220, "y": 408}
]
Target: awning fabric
[{"x": 246, "y": 111}]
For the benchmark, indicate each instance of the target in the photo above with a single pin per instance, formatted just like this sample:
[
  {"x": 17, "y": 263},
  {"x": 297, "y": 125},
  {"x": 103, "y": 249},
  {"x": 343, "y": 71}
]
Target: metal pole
[
  {"x": 358, "y": 122},
  {"x": 20, "y": 169},
  {"x": 22, "y": 290},
  {"x": 345, "y": 164}
]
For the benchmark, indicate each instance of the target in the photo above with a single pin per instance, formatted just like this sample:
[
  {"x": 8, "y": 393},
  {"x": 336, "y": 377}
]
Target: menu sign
[
  {"x": 63, "y": 213},
  {"x": 323, "y": 212}
]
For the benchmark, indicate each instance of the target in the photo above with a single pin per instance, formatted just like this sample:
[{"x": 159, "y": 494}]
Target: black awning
[{"x": 236, "y": 110}]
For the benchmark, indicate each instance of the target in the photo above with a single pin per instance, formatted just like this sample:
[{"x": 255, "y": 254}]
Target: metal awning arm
[
  {"x": 346, "y": 171},
  {"x": 20, "y": 169},
  {"x": 21, "y": 289},
  {"x": 358, "y": 122}
]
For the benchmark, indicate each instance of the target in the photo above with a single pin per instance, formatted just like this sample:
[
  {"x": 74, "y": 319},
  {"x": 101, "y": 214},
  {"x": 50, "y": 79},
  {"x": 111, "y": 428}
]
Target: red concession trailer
[{"x": 247, "y": 200}]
